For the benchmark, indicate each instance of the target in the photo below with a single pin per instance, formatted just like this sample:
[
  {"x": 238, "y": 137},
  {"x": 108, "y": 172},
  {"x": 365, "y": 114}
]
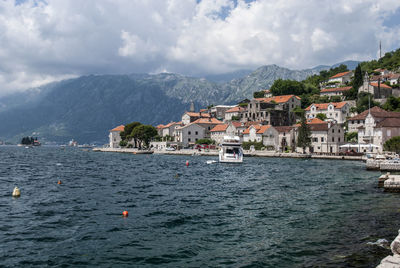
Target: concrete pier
[
  {"x": 392, "y": 183},
  {"x": 247, "y": 153},
  {"x": 383, "y": 165}
]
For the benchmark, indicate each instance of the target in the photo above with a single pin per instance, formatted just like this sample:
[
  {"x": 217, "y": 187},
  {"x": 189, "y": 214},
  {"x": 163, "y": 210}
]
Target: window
[
  {"x": 338, "y": 139},
  {"x": 189, "y": 133},
  {"x": 336, "y": 115},
  {"x": 338, "y": 130},
  {"x": 333, "y": 130},
  {"x": 358, "y": 121},
  {"x": 315, "y": 139},
  {"x": 196, "y": 133},
  {"x": 333, "y": 139},
  {"x": 189, "y": 140},
  {"x": 196, "y": 139},
  {"x": 322, "y": 139},
  {"x": 209, "y": 128}
]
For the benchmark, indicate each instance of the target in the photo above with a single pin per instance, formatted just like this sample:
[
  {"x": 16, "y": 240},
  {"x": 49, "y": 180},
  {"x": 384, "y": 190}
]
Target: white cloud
[{"x": 45, "y": 41}]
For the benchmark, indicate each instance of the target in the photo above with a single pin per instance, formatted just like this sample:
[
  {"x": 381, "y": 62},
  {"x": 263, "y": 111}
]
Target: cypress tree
[{"x": 304, "y": 137}]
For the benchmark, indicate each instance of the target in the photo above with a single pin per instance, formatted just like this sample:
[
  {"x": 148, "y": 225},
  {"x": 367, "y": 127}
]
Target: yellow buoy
[{"x": 16, "y": 192}]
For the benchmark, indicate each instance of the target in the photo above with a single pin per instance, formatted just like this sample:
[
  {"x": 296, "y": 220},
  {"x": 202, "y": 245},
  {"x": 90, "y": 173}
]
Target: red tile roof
[
  {"x": 278, "y": 99},
  {"x": 376, "y": 112},
  {"x": 389, "y": 122},
  {"x": 207, "y": 121},
  {"x": 219, "y": 128},
  {"x": 284, "y": 129},
  {"x": 324, "y": 106},
  {"x": 236, "y": 124},
  {"x": 259, "y": 128},
  {"x": 312, "y": 121},
  {"x": 339, "y": 75},
  {"x": 235, "y": 109},
  {"x": 159, "y": 126},
  {"x": 382, "y": 85},
  {"x": 191, "y": 114},
  {"x": 119, "y": 128},
  {"x": 335, "y": 89}
]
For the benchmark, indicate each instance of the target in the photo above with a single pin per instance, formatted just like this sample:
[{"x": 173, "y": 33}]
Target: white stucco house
[
  {"x": 335, "y": 111},
  {"x": 114, "y": 137}
]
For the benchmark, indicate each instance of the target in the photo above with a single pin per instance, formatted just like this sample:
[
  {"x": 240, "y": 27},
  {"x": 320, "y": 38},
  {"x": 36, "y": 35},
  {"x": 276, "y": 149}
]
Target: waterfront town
[{"x": 274, "y": 121}]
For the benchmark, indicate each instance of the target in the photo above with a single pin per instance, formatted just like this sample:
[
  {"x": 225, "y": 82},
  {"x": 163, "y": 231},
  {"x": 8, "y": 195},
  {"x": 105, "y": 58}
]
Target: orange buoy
[
  {"x": 59, "y": 182},
  {"x": 125, "y": 213},
  {"x": 187, "y": 163}
]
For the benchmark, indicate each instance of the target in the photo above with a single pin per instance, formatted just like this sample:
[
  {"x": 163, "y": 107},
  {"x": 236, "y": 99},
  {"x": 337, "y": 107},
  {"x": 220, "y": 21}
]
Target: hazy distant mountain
[
  {"x": 223, "y": 78},
  {"x": 85, "y": 108}
]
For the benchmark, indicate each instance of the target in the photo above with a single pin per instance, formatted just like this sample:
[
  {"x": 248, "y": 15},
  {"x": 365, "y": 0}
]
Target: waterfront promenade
[{"x": 247, "y": 153}]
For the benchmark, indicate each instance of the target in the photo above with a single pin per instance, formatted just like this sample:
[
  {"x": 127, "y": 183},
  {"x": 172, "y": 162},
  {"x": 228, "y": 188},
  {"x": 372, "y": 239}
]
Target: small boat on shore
[{"x": 231, "y": 150}]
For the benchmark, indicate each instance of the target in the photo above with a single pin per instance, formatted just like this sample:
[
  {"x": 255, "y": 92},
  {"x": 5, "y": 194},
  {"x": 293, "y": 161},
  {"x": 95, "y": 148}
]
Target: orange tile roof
[
  {"x": 259, "y": 128},
  {"x": 278, "y": 99},
  {"x": 219, "y": 128},
  {"x": 324, "y": 106},
  {"x": 283, "y": 128},
  {"x": 263, "y": 128},
  {"x": 312, "y": 121},
  {"x": 160, "y": 126},
  {"x": 236, "y": 124},
  {"x": 247, "y": 130},
  {"x": 207, "y": 121},
  {"x": 382, "y": 85},
  {"x": 335, "y": 89},
  {"x": 203, "y": 110},
  {"x": 191, "y": 114},
  {"x": 339, "y": 75},
  {"x": 119, "y": 128},
  {"x": 235, "y": 109}
]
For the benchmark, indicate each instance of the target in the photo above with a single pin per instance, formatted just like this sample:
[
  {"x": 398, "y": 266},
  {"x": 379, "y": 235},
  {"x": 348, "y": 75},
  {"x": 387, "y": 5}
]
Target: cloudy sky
[{"x": 48, "y": 40}]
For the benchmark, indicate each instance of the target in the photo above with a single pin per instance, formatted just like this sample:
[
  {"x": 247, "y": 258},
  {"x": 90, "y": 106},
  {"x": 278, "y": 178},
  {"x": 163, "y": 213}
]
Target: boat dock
[{"x": 383, "y": 165}]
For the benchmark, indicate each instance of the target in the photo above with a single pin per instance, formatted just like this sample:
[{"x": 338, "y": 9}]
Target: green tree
[
  {"x": 358, "y": 77},
  {"x": 287, "y": 87},
  {"x": 392, "y": 104},
  {"x": 392, "y": 145},
  {"x": 125, "y": 135},
  {"x": 365, "y": 100},
  {"x": 321, "y": 116},
  {"x": 304, "y": 137},
  {"x": 299, "y": 112},
  {"x": 258, "y": 94},
  {"x": 257, "y": 145},
  {"x": 351, "y": 136},
  {"x": 205, "y": 141},
  {"x": 144, "y": 133},
  {"x": 123, "y": 143}
]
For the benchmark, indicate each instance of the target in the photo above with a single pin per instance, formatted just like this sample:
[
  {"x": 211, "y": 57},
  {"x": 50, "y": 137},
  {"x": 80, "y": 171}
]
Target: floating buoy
[
  {"x": 16, "y": 192},
  {"x": 187, "y": 163},
  {"x": 59, "y": 182},
  {"x": 125, "y": 213}
]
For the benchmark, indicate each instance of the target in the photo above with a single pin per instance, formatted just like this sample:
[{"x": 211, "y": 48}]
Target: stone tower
[{"x": 191, "y": 107}]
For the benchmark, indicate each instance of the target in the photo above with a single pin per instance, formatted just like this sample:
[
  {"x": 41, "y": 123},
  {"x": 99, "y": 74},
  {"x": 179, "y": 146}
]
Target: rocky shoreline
[{"x": 392, "y": 261}]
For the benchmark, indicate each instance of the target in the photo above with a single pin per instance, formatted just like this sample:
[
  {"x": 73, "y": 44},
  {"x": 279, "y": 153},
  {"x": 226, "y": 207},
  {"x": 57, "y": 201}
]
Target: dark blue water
[{"x": 266, "y": 212}]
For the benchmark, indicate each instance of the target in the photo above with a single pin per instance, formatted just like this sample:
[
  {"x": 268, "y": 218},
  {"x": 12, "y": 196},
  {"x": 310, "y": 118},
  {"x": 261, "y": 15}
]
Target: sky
[{"x": 50, "y": 40}]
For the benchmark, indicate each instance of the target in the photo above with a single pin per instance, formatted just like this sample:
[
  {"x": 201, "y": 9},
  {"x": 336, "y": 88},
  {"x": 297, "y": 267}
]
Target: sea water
[{"x": 265, "y": 212}]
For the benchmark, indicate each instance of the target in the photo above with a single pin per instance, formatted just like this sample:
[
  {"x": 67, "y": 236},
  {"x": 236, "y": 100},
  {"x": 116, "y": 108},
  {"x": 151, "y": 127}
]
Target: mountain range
[{"x": 87, "y": 107}]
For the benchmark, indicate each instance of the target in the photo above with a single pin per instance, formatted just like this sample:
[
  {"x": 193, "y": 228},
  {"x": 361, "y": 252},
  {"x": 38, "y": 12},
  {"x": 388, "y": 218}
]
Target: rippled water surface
[{"x": 266, "y": 212}]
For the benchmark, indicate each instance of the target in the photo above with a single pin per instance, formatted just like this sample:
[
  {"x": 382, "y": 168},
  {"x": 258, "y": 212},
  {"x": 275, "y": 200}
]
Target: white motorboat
[{"x": 231, "y": 150}]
